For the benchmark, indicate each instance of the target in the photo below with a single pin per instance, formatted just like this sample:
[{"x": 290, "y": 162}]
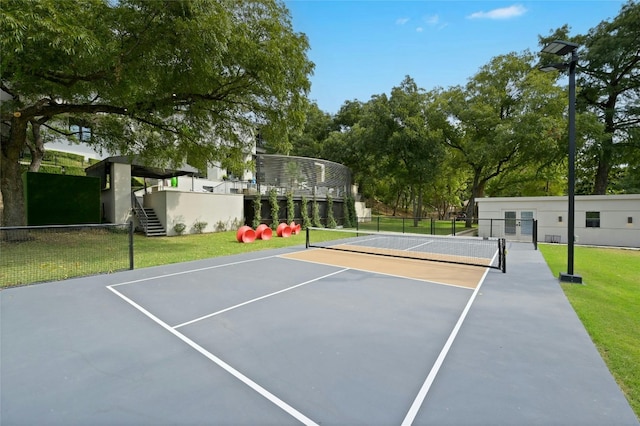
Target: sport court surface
[{"x": 293, "y": 336}]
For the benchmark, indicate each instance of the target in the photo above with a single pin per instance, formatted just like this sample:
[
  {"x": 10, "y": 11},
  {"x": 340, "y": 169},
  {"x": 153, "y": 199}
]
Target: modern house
[{"x": 606, "y": 220}]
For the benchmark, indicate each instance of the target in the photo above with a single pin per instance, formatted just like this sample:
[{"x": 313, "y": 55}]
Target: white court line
[
  {"x": 419, "y": 245},
  {"x": 257, "y": 299},
  {"x": 422, "y": 394},
  {"x": 191, "y": 270},
  {"x": 244, "y": 379}
]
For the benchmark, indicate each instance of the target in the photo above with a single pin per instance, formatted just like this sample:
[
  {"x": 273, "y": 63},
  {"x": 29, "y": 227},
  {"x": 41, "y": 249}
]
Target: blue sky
[{"x": 365, "y": 47}]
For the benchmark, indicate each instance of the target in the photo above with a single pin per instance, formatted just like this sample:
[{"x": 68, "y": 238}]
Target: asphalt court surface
[
  {"x": 336, "y": 345},
  {"x": 279, "y": 338}
]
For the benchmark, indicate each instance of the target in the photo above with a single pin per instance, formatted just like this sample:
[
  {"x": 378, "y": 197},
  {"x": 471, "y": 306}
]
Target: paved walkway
[{"x": 523, "y": 357}]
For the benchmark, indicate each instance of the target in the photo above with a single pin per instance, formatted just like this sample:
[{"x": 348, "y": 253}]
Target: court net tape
[{"x": 475, "y": 251}]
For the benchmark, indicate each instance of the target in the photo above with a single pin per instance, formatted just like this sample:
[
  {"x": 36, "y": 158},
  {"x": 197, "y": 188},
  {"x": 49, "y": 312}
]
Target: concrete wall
[
  {"x": 551, "y": 213},
  {"x": 217, "y": 210},
  {"x": 116, "y": 200}
]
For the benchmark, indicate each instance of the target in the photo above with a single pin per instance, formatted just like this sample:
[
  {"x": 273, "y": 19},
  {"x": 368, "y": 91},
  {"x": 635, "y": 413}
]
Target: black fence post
[
  {"x": 307, "y": 237},
  {"x": 535, "y": 234},
  {"x": 131, "y": 245}
]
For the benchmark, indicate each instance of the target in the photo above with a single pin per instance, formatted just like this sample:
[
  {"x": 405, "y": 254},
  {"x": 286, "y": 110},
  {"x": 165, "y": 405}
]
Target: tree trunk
[
  {"x": 36, "y": 147},
  {"x": 13, "y": 211},
  {"x": 477, "y": 191},
  {"x": 602, "y": 178}
]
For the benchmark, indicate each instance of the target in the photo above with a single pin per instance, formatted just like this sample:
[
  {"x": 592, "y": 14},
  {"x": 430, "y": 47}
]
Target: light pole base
[{"x": 570, "y": 278}]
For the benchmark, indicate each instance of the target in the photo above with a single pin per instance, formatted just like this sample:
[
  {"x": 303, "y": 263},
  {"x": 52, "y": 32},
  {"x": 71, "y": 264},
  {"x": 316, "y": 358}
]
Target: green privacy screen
[{"x": 52, "y": 199}]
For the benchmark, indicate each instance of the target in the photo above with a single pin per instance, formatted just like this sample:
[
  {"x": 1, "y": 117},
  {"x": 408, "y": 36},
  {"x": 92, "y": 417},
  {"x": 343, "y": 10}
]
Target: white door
[{"x": 518, "y": 224}]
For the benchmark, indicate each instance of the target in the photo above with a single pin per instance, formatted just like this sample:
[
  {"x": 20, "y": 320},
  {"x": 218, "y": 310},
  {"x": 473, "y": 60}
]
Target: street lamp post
[{"x": 561, "y": 48}]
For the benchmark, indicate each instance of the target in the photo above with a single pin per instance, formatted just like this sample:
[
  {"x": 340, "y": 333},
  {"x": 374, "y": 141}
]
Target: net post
[
  {"x": 503, "y": 255},
  {"x": 307, "y": 236},
  {"x": 535, "y": 234},
  {"x": 131, "y": 245}
]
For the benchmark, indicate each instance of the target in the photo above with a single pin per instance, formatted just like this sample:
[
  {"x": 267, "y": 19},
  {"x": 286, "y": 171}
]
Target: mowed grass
[
  {"x": 62, "y": 255},
  {"x": 48, "y": 255},
  {"x": 608, "y": 304}
]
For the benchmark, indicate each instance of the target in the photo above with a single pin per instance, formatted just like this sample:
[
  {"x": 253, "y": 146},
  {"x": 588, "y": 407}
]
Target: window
[
  {"x": 80, "y": 130},
  {"x": 593, "y": 220}
]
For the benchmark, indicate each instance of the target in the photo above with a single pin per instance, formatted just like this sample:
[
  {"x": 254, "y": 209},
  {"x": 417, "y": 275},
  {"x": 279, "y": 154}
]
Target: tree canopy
[{"x": 164, "y": 80}]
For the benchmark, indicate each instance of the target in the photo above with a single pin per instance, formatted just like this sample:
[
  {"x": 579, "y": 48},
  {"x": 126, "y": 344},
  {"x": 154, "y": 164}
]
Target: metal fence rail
[{"x": 32, "y": 254}]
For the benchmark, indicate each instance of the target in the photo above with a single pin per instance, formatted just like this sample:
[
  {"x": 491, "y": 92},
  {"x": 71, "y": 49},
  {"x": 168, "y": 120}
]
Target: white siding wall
[
  {"x": 615, "y": 211},
  {"x": 173, "y": 207}
]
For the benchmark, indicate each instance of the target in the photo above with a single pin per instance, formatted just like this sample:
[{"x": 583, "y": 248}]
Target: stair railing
[{"x": 140, "y": 212}]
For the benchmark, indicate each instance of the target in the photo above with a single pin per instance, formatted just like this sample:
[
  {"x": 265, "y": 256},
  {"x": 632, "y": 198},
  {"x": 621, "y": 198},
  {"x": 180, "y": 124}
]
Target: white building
[{"x": 607, "y": 220}]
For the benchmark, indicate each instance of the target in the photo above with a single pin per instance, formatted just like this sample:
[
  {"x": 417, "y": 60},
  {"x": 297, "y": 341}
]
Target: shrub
[
  {"x": 306, "y": 221},
  {"x": 291, "y": 208},
  {"x": 275, "y": 208},
  {"x": 331, "y": 220},
  {"x": 315, "y": 214},
  {"x": 346, "y": 214},
  {"x": 257, "y": 211},
  {"x": 179, "y": 228},
  {"x": 199, "y": 226}
]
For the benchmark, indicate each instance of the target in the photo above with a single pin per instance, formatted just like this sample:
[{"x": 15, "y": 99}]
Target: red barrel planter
[
  {"x": 283, "y": 230},
  {"x": 263, "y": 232},
  {"x": 245, "y": 234}
]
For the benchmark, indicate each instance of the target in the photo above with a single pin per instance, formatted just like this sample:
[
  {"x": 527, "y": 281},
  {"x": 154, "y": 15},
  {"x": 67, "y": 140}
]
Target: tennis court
[{"x": 305, "y": 336}]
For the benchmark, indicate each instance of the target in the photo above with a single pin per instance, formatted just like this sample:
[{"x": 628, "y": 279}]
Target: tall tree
[
  {"x": 506, "y": 117},
  {"x": 160, "y": 79},
  {"x": 608, "y": 79}
]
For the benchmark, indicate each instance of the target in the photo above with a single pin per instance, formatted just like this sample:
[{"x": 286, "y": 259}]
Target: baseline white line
[
  {"x": 206, "y": 268},
  {"x": 244, "y": 379},
  {"x": 256, "y": 299},
  {"x": 422, "y": 394}
]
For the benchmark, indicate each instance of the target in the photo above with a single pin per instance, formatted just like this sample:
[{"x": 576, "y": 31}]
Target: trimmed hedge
[{"x": 52, "y": 199}]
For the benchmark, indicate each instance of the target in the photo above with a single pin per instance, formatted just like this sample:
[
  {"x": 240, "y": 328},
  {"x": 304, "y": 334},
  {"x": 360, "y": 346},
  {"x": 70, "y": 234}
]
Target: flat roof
[{"x": 140, "y": 169}]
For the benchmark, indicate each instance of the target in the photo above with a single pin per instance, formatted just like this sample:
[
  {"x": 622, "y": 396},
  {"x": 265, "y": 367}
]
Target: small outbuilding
[{"x": 606, "y": 220}]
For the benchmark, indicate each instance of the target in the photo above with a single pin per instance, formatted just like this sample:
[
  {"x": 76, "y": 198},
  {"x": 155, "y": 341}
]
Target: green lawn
[{"x": 608, "y": 305}]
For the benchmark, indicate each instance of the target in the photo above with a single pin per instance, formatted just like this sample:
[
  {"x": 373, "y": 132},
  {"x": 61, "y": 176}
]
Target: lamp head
[{"x": 560, "y": 47}]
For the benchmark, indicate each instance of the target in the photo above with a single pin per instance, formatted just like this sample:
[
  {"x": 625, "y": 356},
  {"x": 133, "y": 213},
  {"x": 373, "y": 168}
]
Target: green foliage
[
  {"x": 198, "y": 226},
  {"x": 315, "y": 213},
  {"x": 179, "y": 228},
  {"x": 275, "y": 208},
  {"x": 291, "y": 208},
  {"x": 155, "y": 79},
  {"x": 352, "y": 211},
  {"x": 257, "y": 211},
  {"x": 346, "y": 213},
  {"x": 304, "y": 209},
  {"x": 331, "y": 220}
]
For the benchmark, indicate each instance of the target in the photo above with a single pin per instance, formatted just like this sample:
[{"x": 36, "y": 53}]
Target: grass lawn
[{"x": 608, "y": 305}]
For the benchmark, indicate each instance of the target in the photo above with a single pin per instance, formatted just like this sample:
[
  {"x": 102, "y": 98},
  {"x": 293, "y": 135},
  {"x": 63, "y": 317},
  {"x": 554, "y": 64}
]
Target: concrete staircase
[
  {"x": 151, "y": 224},
  {"x": 148, "y": 219}
]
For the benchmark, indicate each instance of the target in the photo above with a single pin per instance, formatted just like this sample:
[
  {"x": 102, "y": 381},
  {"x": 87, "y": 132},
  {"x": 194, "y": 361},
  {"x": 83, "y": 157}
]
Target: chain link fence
[{"x": 33, "y": 254}]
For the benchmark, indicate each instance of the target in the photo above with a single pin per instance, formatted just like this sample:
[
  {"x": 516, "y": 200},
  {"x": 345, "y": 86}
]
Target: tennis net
[{"x": 475, "y": 251}]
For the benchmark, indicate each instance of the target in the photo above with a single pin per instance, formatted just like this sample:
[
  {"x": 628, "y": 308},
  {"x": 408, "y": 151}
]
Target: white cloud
[
  {"x": 402, "y": 21},
  {"x": 501, "y": 13},
  {"x": 419, "y": 29},
  {"x": 432, "y": 20}
]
